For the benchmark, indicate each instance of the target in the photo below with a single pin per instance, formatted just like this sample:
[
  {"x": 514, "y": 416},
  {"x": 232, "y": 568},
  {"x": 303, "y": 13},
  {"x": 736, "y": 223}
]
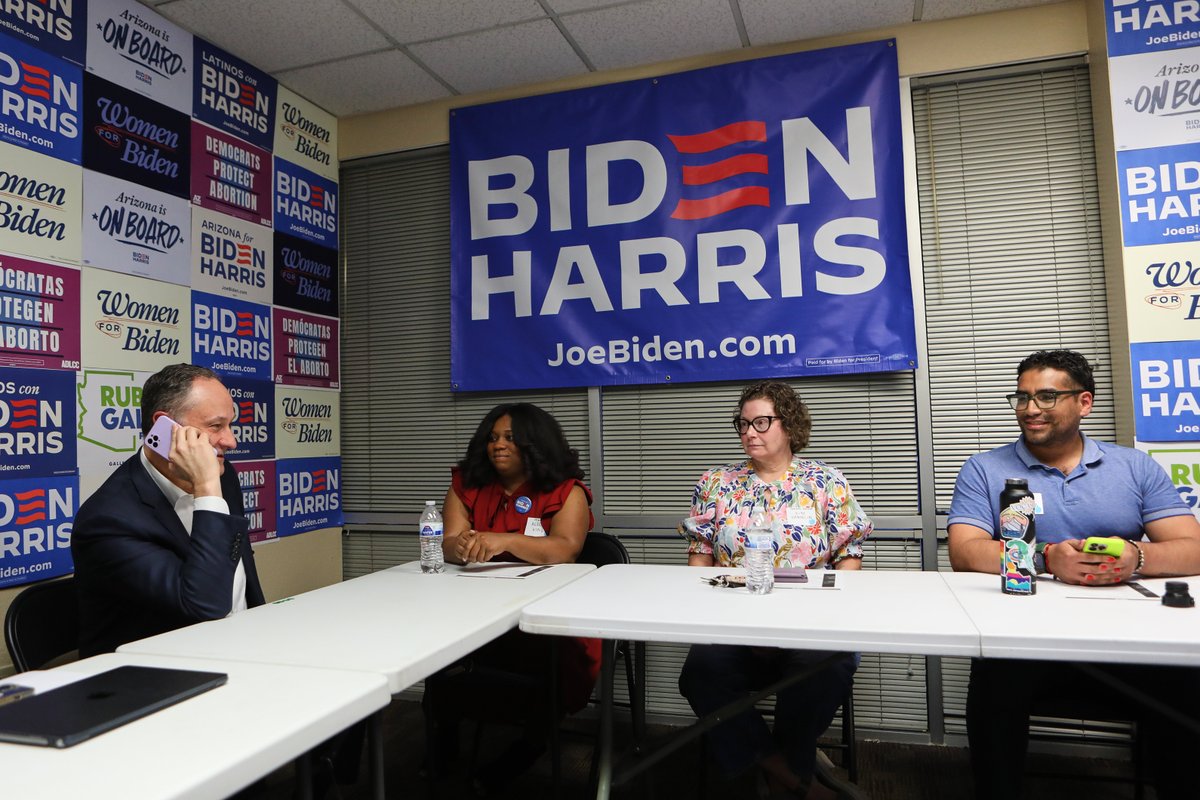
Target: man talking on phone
[
  {"x": 1082, "y": 488},
  {"x": 164, "y": 542}
]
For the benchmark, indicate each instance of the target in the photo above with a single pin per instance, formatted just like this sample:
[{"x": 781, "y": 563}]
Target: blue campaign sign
[
  {"x": 39, "y": 100},
  {"x": 1143, "y": 26},
  {"x": 1160, "y": 194},
  {"x": 306, "y": 204},
  {"x": 56, "y": 26},
  {"x": 309, "y": 494},
  {"x": 36, "y": 519},
  {"x": 231, "y": 337},
  {"x": 739, "y": 221},
  {"x": 37, "y": 423},
  {"x": 1166, "y": 391},
  {"x": 233, "y": 95},
  {"x": 254, "y": 427}
]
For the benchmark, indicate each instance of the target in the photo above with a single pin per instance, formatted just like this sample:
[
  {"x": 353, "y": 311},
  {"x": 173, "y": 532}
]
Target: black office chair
[{"x": 42, "y": 624}]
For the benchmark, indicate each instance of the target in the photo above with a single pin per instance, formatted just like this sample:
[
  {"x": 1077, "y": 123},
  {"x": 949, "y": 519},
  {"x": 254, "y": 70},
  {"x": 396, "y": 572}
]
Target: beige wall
[
  {"x": 286, "y": 567},
  {"x": 924, "y": 48}
]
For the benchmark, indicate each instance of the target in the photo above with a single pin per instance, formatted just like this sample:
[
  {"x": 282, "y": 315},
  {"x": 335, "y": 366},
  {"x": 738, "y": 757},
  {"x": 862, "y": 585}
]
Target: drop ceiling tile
[
  {"x": 364, "y": 83},
  {"x": 661, "y": 30},
  {"x": 511, "y": 56},
  {"x": 944, "y": 9},
  {"x": 417, "y": 20},
  {"x": 772, "y": 21},
  {"x": 277, "y": 34},
  {"x": 568, "y": 6}
]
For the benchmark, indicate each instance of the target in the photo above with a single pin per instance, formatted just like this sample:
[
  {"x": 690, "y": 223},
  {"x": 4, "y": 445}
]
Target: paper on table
[
  {"x": 43, "y": 680},
  {"x": 505, "y": 570},
  {"x": 1122, "y": 591}
]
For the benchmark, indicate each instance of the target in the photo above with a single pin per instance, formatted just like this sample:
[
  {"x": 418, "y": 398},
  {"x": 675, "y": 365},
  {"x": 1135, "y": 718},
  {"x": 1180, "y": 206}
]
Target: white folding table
[
  {"x": 208, "y": 746},
  {"x": 398, "y": 623},
  {"x": 1109, "y": 624},
  {"x": 874, "y": 611}
]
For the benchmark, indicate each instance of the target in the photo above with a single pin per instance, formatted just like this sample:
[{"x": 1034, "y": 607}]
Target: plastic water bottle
[
  {"x": 431, "y": 539},
  {"x": 760, "y": 553}
]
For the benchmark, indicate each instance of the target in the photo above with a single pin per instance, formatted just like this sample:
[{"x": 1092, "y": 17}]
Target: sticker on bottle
[{"x": 533, "y": 527}]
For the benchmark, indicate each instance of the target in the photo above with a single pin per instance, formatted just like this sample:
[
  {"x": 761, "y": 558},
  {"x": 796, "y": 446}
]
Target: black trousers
[{"x": 1003, "y": 693}]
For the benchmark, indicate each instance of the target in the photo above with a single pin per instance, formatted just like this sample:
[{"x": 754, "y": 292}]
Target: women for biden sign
[{"x": 738, "y": 221}]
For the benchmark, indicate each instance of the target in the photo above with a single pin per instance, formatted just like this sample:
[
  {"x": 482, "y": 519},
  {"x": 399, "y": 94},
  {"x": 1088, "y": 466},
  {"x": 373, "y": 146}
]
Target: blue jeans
[{"x": 715, "y": 675}]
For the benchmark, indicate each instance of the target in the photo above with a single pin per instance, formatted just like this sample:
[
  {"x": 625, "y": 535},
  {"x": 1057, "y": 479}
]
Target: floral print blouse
[{"x": 816, "y": 520}]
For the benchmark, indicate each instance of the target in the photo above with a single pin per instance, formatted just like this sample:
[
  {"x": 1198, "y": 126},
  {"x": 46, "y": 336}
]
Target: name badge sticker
[
  {"x": 1037, "y": 504},
  {"x": 533, "y": 527},
  {"x": 802, "y": 516}
]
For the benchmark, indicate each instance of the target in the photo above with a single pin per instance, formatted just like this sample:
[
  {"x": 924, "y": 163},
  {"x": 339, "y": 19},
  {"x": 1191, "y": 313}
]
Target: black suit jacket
[{"x": 137, "y": 571}]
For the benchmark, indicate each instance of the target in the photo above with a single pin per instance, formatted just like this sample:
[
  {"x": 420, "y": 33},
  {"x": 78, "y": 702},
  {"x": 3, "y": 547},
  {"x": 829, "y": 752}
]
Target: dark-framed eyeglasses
[
  {"x": 1048, "y": 398},
  {"x": 760, "y": 424}
]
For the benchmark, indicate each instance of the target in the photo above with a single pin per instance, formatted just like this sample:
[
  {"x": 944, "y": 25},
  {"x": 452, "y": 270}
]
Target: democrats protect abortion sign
[{"x": 732, "y": 222}]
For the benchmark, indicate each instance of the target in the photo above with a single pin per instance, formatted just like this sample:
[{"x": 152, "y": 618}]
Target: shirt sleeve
[
  {"x": 847, "y": 523},
  {"x": 699, "y": 528},
  {"x": 1160, "y": 498},
  {"x": 972, "y": 503},
  {"x": 212, "y": 503}
]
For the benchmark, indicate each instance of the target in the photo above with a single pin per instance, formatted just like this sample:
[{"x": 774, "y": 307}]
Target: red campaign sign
[
  {"x": 306, "y": 349},
  {"x": 230, "y": 175},
  {"x": 257, "y": 479},
  {"x": 39, "y": 314}
]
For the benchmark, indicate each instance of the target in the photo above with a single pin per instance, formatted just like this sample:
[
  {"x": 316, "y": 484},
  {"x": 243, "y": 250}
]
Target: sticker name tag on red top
[{"x": 533, "y": 527}]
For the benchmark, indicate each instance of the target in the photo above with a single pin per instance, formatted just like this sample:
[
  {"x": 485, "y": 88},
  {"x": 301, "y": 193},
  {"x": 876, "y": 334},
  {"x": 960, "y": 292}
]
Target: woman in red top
[{"x": 517, "y": 495}]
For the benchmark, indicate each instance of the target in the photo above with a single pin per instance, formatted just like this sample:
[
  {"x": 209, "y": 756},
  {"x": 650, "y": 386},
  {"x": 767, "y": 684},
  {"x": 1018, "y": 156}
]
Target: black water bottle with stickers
[{"x": 1019, "y": 537}]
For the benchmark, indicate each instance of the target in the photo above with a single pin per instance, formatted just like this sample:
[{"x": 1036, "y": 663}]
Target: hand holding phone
[{"x": 1101, "y": 546}]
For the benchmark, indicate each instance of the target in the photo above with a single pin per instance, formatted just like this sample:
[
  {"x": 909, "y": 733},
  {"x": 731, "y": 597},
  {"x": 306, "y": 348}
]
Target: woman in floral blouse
[{"x": 818, "y": 524}]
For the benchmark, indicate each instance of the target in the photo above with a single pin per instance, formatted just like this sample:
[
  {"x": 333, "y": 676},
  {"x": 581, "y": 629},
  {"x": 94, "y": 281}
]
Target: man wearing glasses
[{"x": 1083, "y": 487}]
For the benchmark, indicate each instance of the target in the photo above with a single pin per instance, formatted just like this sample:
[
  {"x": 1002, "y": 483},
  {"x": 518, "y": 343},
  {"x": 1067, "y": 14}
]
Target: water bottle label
[
  {"x": 1019, "y": 574},
  {"x": 1014, "y": 518},
  {"x": 431, "y": 529}
]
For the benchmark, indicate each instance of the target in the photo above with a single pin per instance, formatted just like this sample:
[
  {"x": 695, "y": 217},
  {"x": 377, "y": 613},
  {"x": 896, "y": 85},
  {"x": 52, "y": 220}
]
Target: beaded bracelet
[{"x": 1141, "y": 557}]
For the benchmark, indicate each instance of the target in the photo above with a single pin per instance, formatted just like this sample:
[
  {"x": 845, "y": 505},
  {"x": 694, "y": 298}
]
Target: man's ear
[{"x": 1085, "y": 403}]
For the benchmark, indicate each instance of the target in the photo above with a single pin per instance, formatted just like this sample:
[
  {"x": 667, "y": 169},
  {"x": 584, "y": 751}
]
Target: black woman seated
[{"x": 518, "y": 495}]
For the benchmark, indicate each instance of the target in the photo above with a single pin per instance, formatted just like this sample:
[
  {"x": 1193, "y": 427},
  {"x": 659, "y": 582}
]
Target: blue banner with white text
[{"x": 733, "y": 222}]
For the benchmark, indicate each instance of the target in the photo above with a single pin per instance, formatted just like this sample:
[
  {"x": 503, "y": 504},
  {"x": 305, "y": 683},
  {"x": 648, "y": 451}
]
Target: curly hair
[
  {"x": 1068, "y": 361},
  {"x": 793, "y": 414},
  {"x": 548, "y": 458}
]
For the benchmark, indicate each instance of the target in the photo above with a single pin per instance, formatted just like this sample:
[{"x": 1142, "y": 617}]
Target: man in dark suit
[{"x": 164, "y": 542}]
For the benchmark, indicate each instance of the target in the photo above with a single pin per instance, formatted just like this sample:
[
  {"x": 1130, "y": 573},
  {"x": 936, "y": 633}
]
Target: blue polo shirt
[{"x": 1114, "y": 491}]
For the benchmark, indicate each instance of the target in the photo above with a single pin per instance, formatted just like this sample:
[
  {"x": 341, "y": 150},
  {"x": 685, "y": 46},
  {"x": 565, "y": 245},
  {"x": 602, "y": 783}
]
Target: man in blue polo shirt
[{"x": 1083, "y": 487}]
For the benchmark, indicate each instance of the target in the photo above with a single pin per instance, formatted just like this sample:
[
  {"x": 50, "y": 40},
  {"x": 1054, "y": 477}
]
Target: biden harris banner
[{"x": 738, "y": 221}]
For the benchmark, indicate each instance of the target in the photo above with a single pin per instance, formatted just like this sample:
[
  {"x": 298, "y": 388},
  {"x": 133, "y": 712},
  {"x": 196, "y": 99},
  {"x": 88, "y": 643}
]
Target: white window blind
[{"x": 1010, "y": 235}]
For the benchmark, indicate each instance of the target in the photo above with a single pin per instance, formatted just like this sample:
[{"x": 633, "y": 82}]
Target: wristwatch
[{"x": 1039, "y": 558}]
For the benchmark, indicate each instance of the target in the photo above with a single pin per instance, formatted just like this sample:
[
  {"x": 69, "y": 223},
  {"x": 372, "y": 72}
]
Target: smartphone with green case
[{"x": 1101, "y": 546}]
